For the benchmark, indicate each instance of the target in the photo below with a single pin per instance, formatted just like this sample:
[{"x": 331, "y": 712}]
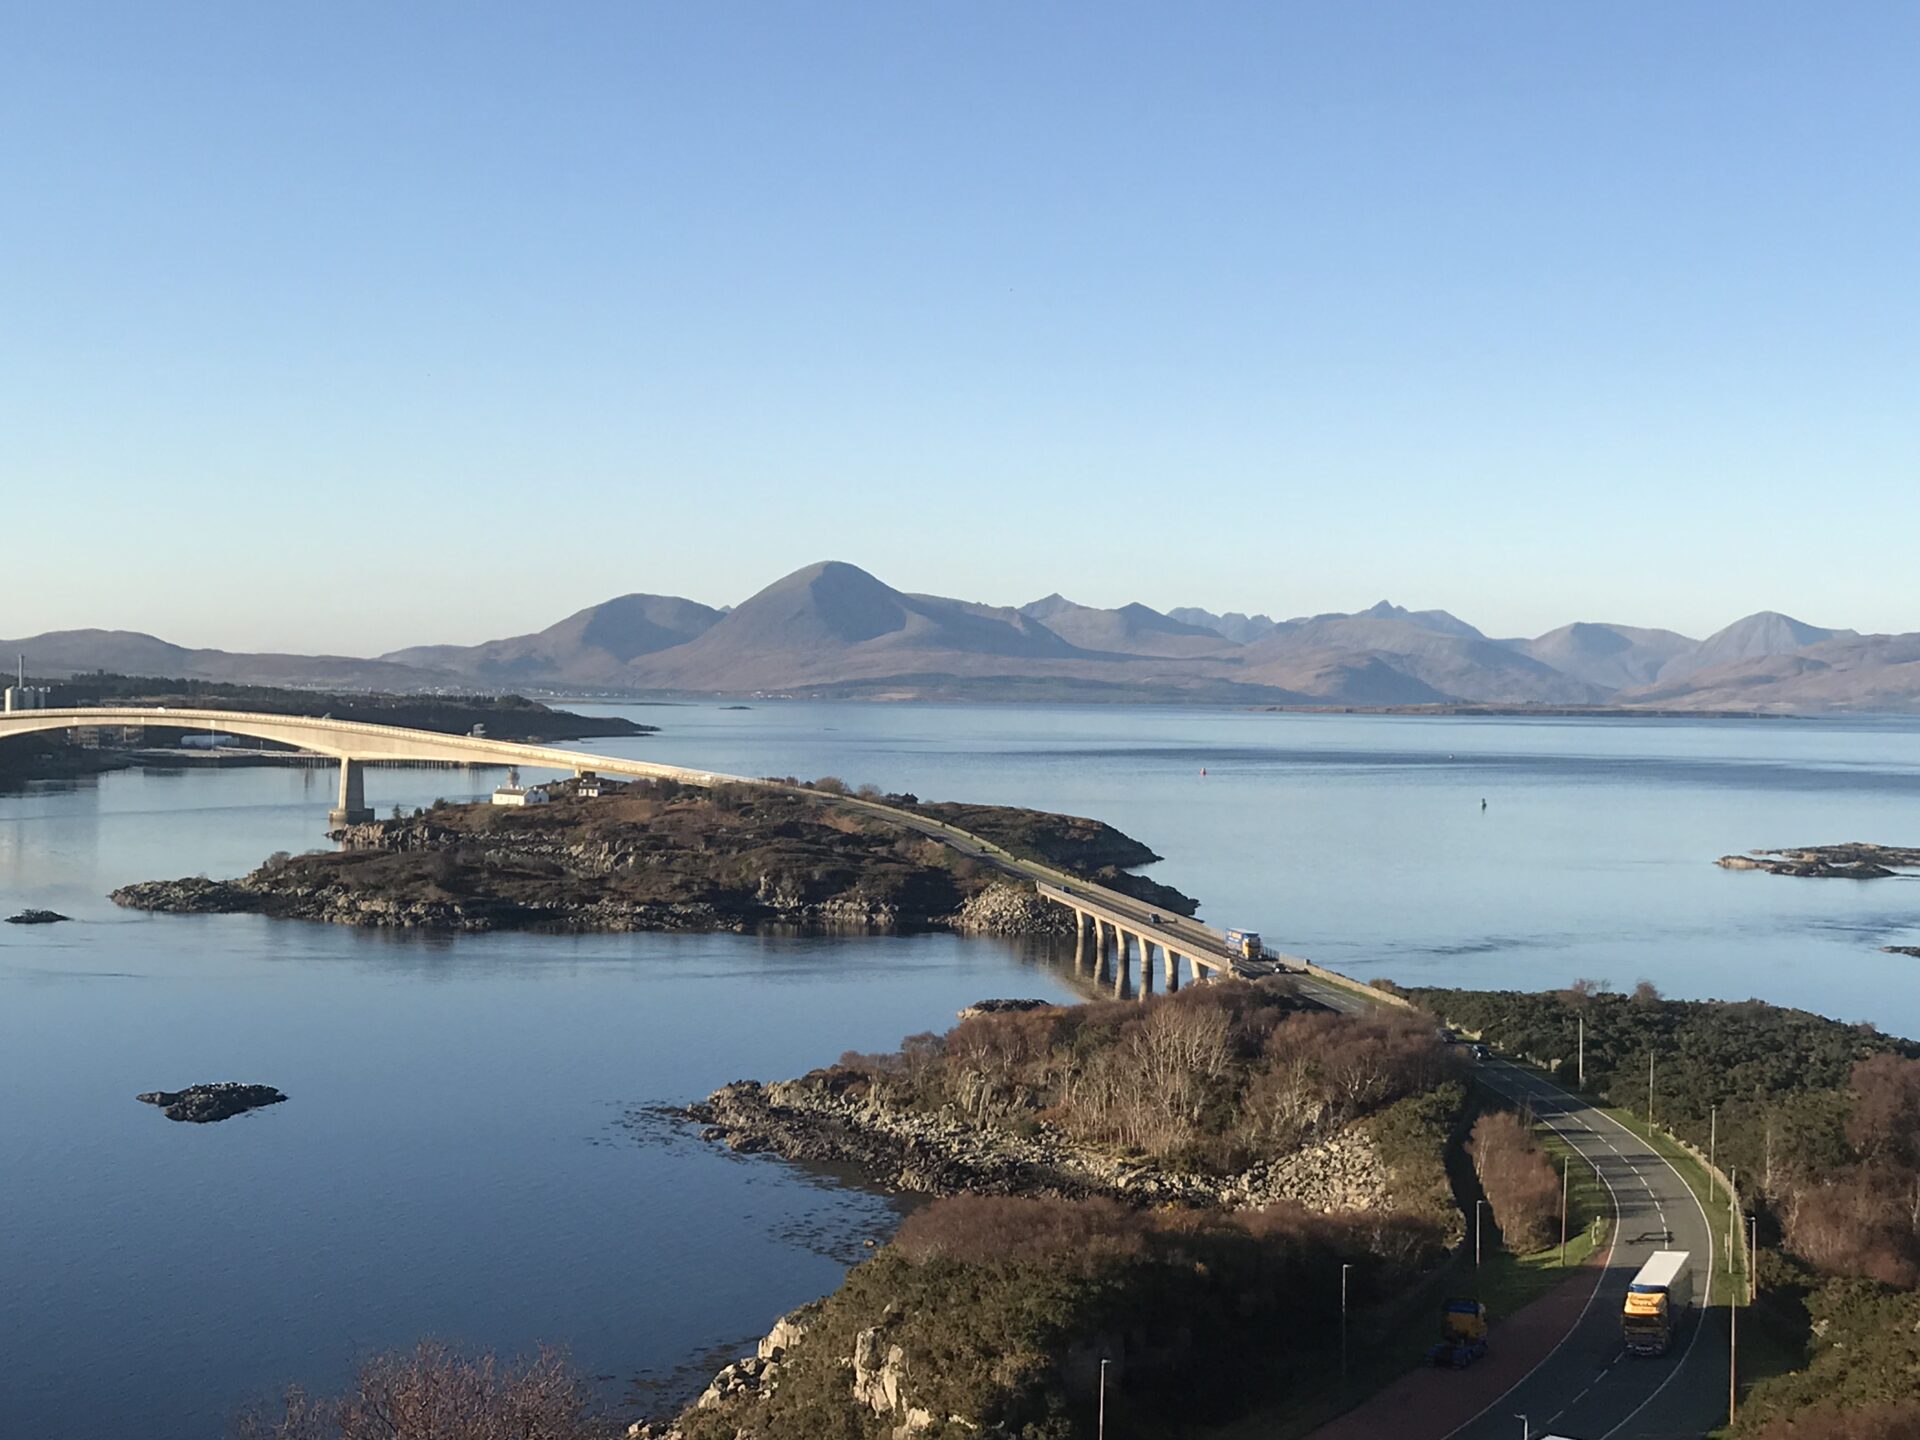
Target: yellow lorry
[{"x": 1658, "y": 1299}]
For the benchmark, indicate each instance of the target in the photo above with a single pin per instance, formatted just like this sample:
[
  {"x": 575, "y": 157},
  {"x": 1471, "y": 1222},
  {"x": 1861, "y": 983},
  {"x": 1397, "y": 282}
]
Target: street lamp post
[
  {"x": 1566, "y": 1164},
  {"x": 1526, "y": 1427},
  {"x": 1101, "y": 1430},
  {"x": 1478, "y": 1206},
  {"x": 1345, "y": 1268}
]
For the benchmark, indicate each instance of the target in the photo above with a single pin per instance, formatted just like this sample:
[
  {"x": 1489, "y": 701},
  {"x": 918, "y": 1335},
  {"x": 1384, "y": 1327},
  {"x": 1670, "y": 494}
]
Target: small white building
[{"x": 520, "y": 795}]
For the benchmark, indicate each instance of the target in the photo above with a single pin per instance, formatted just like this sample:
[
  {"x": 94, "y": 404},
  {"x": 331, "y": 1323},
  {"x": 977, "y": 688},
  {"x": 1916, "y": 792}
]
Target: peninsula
[
  {"x": 658, "y": 855},
  {"x": 1154, "y": 1186}
]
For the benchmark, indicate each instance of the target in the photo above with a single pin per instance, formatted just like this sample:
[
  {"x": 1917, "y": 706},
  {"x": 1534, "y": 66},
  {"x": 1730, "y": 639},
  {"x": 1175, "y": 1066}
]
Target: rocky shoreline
[
  {"x": 1000, "y": 909},
  {"x": 1856, "y": 860},
  {"x": 821, "y": 1118}
]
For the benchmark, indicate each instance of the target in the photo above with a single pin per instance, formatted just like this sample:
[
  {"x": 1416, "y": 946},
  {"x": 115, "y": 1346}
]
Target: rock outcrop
[
  {"x": 1004, "y": 1007},
  {"x": 1856, "y": 860},
  {"x": 748, "y": 1378},
  {"x": 36, "y": 917},
  {"x": 1006, "y": 909},
  {"x": 204, "y": 1104}
]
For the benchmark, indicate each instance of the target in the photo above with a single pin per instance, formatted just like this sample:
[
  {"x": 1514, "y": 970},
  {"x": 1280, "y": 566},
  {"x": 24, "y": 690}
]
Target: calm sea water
[{"x": 459, "y": 1158}]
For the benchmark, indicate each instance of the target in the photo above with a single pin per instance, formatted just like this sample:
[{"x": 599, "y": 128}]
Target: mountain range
[{"x": 832, "y": 629}]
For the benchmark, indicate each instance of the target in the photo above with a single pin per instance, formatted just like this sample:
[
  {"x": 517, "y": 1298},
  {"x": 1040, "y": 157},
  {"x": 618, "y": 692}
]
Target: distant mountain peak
[
  {"x": 1757, "y": 636},
  {"x": 1048, "y": 605}
]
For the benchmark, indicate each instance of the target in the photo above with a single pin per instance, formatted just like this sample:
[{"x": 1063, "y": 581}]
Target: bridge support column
[
  {"x": 1121, "y": 963},
  {"x": 1081, "y": 957},
  {"x": 353, "y": 808},
  {"x": 1146, "y": 967},
  {"x": 1173, "y": 970},
  {"x": 1102, "y": 952}
]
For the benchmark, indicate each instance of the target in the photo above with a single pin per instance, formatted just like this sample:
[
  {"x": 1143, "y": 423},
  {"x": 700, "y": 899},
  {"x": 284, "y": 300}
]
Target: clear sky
[{"x": 346, "y": 326}]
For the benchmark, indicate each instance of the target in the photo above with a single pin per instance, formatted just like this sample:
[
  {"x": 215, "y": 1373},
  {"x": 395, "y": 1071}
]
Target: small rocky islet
[
  {"x": 1855, "y": 860},
  {"x": 657, "y": 855},
  {"x": 37, "y": 917},
  {"x": 205, "y": 1104}
]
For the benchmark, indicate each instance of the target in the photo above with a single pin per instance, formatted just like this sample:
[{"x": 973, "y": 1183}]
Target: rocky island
[
  {"x": 204, "y": 1104},
  {"x": 1856, "y": 860},
  {"x": 658, "y": 855},
  {"x": 37, "y": 917}
]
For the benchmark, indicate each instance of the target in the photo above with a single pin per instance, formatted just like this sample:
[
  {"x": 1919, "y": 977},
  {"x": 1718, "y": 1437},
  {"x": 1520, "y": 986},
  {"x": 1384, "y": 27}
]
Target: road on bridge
[{"x": 1588, "y": 1387}]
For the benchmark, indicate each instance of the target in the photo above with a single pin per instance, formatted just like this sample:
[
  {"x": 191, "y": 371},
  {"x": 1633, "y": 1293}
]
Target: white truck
[{"x": 1657, "y": 1301}]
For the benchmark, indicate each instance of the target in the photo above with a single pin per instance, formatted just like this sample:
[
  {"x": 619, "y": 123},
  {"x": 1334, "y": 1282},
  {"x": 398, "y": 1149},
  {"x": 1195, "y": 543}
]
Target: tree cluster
[
  {"x": 435, "y": 1393},
  {"x": 1520, "y": 1182}
]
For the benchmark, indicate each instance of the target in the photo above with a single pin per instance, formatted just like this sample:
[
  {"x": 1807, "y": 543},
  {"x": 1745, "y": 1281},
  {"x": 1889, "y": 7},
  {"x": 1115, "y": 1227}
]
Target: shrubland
[{"x": 1212, "y": 1078}]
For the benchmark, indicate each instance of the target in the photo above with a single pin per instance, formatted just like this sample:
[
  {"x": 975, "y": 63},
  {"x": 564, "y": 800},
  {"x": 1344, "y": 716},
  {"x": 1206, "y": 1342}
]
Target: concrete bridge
[
  {"x": 357, "y": 744},
  {"x": 1110, "y": 926}
]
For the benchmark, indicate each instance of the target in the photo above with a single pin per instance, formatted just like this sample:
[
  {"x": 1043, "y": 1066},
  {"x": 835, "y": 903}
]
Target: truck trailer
[{"x": 1657, "y": 1301}]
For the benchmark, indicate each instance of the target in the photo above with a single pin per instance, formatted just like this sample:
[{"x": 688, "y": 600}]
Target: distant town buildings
[{"x": 22, "y": 696}]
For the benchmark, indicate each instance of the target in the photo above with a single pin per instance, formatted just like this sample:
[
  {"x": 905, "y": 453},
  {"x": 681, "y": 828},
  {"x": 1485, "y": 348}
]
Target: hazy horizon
[{"x": 324, "y": 325}]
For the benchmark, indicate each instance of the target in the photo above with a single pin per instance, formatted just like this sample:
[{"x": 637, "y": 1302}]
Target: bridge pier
[
  {"x": 1146, "y": 967},
  {"x": 1173, "y": 969},
  {"x": 353, "y": 808},
  {"x": 1121, "y": 963},
  {"x": 1102, "y": 952}
]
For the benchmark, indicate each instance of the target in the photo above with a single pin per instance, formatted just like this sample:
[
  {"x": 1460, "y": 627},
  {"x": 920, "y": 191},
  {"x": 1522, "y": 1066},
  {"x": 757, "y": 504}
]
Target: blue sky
[{"x": 352, "y": 326}]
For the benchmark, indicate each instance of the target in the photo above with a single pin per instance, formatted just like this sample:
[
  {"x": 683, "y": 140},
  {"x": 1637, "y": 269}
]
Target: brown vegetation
[
  {"x": 434, "y": 1393},
  {"x": 1520, "y": 1181},
  {"x": 1895, "y": 1420},
  {"x": 1862, "y": 1217},
  {"x": 1212, "y": 1076}
]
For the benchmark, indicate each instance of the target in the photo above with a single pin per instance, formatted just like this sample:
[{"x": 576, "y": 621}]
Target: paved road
[{"x": 1589, "y": 1388}]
